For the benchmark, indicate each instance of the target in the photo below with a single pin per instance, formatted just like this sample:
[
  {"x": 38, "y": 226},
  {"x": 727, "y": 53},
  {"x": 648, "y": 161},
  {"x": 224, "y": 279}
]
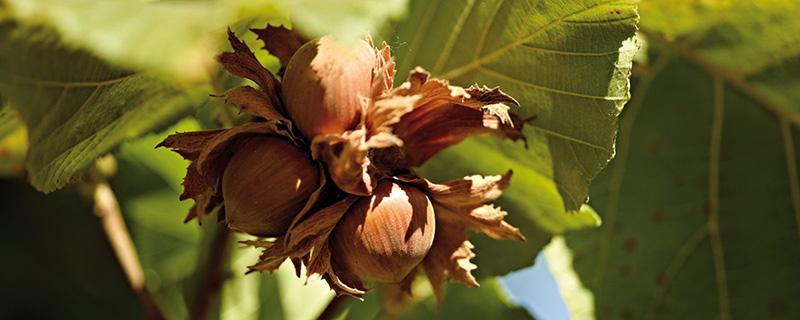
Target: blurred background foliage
[{"x": 699, "y": 208}]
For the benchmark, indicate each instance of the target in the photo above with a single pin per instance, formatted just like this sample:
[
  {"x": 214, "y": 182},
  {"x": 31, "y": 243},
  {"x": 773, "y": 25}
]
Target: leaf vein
[
  {"x": 791, "y": 167},
  {"x": 627, "y": 18},
  {"x": 499, "y": 75},
  {"x": 619, "y": 170},
  {"x": 451, "y": 41},
  {"x": 570, "y": 53},
  {"x": 715, "y": 147},
  {"x": 20, "y": 80},
  {"x": 570, "y": 139},
  {"x": 475, "y": 64},
  {"x": 416, "y": 41},
  {"x": 677, "y": 262},
  {"x": 485, "y": 32}
]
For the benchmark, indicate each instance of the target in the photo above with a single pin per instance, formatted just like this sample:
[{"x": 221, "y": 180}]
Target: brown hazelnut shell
[
  {"x": 385, "y": 236},
  {"x": 324, "y": 84},
  {"x": 266, "y": 183}
]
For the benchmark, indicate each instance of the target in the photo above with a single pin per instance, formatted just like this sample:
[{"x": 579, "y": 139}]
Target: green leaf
[
  {"x": 579, "y": 300},
  {"x": 567, "y": 63},
  {"x": 167, "y": 165},
  {"x": 178, "y": 39},
  {"x": 702, "y": 204},
  {"x": 532, "y": 201},
  {"x": 489, "y": 301},
  {"x": 461, "y": 302},
  {"x": 13, "y": 143},
  {"x": 76, "y": 106},
  {"x": 347, "y": 20},
  {"x": 280, "y": 295},
  {"x": 744, "y": 47},
  {"x": 560, "y": 78}
]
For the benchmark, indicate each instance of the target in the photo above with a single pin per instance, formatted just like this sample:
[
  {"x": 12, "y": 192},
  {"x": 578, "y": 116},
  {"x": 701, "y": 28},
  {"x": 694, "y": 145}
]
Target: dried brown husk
[
  {"x": 403, "y": 127},
  {"x": 459, "y": 206},
  {"x": 385, "y": 236},
  {"x": 280, "y": 42},
  {"x": 325, "y": 85},
  {"x": 397, "y": 129},
  {"x": 209, "y": 153},
  {"x": 263, "y": 197}
]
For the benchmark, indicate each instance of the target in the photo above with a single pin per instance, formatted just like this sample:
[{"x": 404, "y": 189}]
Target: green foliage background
[{"x": 700, "y": 207}]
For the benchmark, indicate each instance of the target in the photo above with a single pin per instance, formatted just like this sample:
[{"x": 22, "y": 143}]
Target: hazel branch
[{"x": 106, "y": 208}]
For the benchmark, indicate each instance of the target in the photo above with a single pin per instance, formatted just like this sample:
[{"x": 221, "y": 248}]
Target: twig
[
  {"x": 334, "y": 308},
  {"x": 106, "y": 208},
  {"x": 214, "y": 276}
]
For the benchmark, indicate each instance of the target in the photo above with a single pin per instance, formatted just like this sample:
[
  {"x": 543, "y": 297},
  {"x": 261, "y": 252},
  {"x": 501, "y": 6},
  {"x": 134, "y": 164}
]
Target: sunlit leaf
[
  {"x": 461, "y": 302},
  {"x": 567, "y": 62},
  {"x": 77, "y": 107},
  {"x": 13, "y": 143},
  {"x": 280, "y": 295},
  {"x": 578, "y": 299},
  {"x": 177, "y": 39},
  {"x": 346, "y": 20}
]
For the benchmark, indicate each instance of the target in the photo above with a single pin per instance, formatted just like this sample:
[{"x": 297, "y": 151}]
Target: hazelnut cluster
[{"x": 323, "y": 174}]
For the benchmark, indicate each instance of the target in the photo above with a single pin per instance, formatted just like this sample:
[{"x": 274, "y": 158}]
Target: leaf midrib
[{"x": 20, "y": 80}]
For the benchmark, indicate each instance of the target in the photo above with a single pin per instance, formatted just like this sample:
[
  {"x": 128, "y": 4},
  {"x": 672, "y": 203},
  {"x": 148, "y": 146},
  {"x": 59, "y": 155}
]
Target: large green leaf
[
  {"x": 567, "y": 63},
  {"x": 578, "y": 299},
  {"x": 280, "y": 295},
  {"x": 76, "y": 106},
  {"x": 347, "y": 20},
  {"x": 702, "y": 205},
  {"x": 538, "y": 215},
  {"x": 179, "y": 39},
  {"x": 461, "y": 302}
]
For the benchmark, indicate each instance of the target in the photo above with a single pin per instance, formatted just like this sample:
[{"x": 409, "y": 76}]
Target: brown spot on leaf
[
  {"x": 658, "y": 216},
  {"x": 654, "y": 144},
  {"x": 630, "y": 245},
  {"x": 577, "y": 258},
  {"x": 627, "y": 314},
  {"x": 662, "y": 279},
  {"x": 776, "y": 308},
  {"x": 604, "y": 311},
  {"x": 624, "y": 270},
  {"x": 706, "y": 208}
]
